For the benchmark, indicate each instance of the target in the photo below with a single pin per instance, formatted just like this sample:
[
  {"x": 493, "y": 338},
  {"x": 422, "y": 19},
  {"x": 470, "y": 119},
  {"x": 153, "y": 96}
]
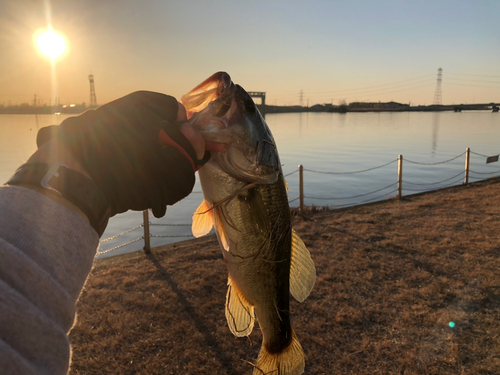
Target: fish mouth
[
  {"x": 252, "y": 156},
  {"x": 224, "y": 112}
]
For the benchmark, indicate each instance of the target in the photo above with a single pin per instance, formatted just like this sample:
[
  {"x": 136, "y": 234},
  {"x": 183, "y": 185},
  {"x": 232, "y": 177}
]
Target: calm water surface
[{"x": 321, "y": 142}]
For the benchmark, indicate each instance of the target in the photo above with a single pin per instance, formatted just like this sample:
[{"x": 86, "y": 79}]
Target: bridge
[{"x": 258, "y": 94}]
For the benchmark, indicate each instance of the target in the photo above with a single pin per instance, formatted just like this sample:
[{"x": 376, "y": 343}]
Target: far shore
[{"x": 26, "y": 109}]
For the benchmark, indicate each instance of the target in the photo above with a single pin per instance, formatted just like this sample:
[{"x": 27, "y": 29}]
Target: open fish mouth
[{"x": 227, "y": 114}]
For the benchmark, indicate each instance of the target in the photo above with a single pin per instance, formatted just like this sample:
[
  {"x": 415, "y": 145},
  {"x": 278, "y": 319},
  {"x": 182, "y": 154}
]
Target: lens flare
[{"x": 50, "y": 43}]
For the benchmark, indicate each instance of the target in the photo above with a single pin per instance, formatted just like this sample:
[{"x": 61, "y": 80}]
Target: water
[{"x": 322, "y": 142}]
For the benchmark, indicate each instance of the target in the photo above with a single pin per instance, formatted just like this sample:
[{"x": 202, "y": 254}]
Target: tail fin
[{"x": 289, "y": 362}]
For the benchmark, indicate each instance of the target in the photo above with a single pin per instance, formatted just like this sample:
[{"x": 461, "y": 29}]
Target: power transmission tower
[
  {"x": 93, "y": 100},
  {"x": 438, "y": 100},
  {"x": 301, "y": 97}
]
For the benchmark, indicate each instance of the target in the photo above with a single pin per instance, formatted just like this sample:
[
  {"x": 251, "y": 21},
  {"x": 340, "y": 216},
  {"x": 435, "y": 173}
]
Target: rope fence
[
  {"x": 354, "y": 196},
  {"x": 440, "y": 162},
  {"x": 433, "y": 183},
  {"x": 364, "y": 170},
  {"x": 401, "y": 184}
]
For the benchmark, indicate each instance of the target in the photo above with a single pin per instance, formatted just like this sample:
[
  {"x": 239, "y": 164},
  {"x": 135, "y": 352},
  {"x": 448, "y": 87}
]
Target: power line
[
  {"x": 396, "y": 83},
  {"x": 472, "y": 80},
  {"x": 363, "y": 89},
  {"x": 476, "y": 75},
  {"x": 379, "y": 93},
  {"x": 464, "y": 84}
]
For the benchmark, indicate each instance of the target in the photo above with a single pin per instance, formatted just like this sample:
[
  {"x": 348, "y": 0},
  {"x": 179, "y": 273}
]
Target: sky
[{"x": 298, "y": 52}]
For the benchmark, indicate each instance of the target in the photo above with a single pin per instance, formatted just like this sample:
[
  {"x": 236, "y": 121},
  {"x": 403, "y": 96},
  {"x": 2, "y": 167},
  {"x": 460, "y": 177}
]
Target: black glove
[{"x": 133, "y": 150}]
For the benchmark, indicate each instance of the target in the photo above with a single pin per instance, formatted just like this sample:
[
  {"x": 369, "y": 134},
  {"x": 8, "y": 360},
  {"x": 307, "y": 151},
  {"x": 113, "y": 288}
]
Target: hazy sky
[{"x": 331, "y": 50}]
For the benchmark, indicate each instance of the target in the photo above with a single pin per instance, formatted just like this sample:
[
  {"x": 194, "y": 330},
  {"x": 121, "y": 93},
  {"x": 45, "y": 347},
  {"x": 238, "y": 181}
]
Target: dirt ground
[{"x": 390, "y": 279}]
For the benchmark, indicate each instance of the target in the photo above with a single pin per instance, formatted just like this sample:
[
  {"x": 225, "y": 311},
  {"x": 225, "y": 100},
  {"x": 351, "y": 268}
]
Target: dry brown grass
[{"x": 391, "y": 277}]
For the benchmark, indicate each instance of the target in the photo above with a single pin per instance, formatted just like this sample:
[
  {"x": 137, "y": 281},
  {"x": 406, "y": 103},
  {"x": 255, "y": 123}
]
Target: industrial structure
[
  {"x": 93, "y": 100},
  {"x": 258, "y": 94},
  {"x": 438, "y": 99}
]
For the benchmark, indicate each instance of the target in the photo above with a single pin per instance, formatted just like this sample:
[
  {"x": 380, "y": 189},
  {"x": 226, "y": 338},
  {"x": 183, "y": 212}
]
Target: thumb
[{"x": 45, "y": 134}]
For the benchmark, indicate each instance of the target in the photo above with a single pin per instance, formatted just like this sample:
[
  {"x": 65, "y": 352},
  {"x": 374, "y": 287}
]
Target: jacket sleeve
[{"x": 46, "y": 254}]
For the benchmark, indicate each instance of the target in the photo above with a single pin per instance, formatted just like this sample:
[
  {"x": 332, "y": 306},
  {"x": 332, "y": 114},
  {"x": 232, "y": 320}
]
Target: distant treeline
[
  {"x": 27, "y": 109},
  {"x": 375, "y": 107}
]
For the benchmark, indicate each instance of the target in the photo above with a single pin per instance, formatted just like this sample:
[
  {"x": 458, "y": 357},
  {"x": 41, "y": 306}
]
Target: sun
[{"x": 50, "y": 43}]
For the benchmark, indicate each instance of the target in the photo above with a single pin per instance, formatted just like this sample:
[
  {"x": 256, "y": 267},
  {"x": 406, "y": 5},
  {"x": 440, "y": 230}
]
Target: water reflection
[{"x": 435, "y": 129}]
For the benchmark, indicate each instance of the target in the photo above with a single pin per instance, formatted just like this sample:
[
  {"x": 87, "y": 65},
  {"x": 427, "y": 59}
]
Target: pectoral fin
[
  {"x": 239, "y": 313},
  {"x": 302, "y": 270},
  {"x": 203, "y": 220}
]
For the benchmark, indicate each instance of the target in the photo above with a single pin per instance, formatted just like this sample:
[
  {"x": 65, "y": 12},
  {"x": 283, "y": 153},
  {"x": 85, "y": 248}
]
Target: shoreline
[{"x": 270, "y": 109}]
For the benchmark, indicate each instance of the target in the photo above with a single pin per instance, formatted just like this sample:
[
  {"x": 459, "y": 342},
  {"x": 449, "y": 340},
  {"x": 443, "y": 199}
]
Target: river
[{"x": 330, "y": 146}]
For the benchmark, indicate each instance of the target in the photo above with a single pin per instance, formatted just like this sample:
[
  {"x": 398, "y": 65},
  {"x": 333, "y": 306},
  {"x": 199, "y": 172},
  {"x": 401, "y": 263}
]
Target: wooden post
[
  {"x": 147, "y": 248},
  {"x": 400, "y": 176},
  {"x": 301, "y": 188},
  {"x": 467, "y": 158}
]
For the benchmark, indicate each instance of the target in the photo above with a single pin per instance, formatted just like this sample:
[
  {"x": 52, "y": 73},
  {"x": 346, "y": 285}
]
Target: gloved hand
[{"x": 133, "y": 150}]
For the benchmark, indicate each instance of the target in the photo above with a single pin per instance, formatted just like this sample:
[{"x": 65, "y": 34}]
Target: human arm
[{"x": 47, "y": 244}]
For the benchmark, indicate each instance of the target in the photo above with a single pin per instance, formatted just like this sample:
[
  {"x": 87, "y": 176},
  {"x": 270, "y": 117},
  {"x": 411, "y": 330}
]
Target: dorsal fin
[
  {"x": 203, "y": 219},
  {"x": 239, "y": 313},
  {"x": 302, "y": 270}
]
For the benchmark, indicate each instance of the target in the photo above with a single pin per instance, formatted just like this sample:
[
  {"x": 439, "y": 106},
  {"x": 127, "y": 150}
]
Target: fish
[{"x": 246, "y": 202}]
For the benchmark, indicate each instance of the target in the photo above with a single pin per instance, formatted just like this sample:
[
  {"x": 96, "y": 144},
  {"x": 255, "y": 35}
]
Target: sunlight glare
[{"x": 50, "y": 43}]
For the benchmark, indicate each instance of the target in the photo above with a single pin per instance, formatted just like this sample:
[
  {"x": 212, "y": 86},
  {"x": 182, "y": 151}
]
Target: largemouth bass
[{"x": 245, "y": 200}]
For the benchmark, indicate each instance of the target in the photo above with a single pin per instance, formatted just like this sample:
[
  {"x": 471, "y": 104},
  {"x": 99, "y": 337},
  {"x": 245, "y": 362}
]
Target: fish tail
[{"x": 290, "y": 361}]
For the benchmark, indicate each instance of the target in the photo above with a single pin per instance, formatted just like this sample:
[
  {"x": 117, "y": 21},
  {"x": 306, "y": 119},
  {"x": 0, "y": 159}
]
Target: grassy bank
[{"x": 391, "y": 277}]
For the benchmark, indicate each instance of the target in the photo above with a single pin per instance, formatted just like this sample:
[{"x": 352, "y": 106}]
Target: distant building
[{"x": 392, "y": 105}]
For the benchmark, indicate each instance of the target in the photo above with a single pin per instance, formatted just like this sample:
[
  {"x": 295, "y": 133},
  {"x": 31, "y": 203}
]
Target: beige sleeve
[{"x": 46, "y": 254}]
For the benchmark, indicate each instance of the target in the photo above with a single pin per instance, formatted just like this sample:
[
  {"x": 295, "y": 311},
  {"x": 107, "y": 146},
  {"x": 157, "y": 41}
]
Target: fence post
[
  {"x": 147, "y": 248},
  {"x": 301, "y": 188},
  {"x": 467, "y": 158},
  {"x": 400, "y": 176}
]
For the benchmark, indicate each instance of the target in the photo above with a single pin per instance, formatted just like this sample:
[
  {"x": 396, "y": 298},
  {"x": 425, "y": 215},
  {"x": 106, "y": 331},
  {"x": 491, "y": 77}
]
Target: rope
[
  {"x": 169, "y": 225},
  {"x": 434, "y": 183},
  {"x": 484, "y": 172},
  {"x": 166, "y": 236},
  {"x": 441, "y": 187},
  {"x": 441, "y": 162},
  {"x": 295, "y": 171},
  {"x": 117, "y": 247},
  {"x": 365, "y": 170},
  {"x": 475, "y": 153},
  {"x": 121, "y": 234},
  {"x": 355, "y": 196},
  {"x": 293, "y": 200},
  {"x": 368, "y": 200}
]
